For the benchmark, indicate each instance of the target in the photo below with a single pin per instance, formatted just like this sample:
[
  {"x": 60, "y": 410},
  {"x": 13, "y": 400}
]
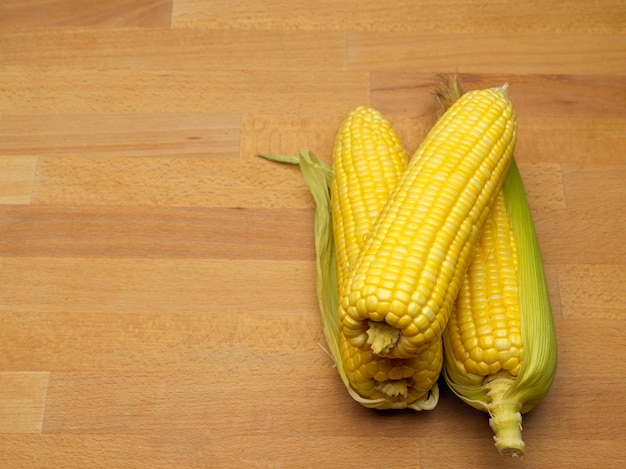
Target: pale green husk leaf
[{"x": 538, "y": 331}]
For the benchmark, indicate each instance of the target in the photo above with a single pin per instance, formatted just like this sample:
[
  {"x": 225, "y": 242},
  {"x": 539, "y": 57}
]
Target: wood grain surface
[{"x": 157, "y": 295}]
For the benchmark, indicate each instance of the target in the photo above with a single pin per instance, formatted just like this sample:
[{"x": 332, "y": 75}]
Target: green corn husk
[
  {"x": 317, "y": 175},
  {"x": 503, "y": 396}
]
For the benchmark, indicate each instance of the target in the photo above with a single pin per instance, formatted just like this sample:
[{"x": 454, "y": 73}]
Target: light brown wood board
[{"x": 157, "y": 279}]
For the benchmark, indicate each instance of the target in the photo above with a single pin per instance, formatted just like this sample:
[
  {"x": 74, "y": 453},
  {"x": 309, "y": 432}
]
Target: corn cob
[
  {"x": 500, "y": 345},
  {"x": 368, "y": 158},
  {"x": 484, "y": 328},
  {"x": 366, "y": 378},
  {"x": 397, "y": 297}
]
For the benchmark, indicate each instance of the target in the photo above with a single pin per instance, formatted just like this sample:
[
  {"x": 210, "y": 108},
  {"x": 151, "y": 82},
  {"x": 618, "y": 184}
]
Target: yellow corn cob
[
  {"x": 484, "y": 329},
  {"x": 367, "y": 160},
  {"x": 500, "y": 346},
  {"x": 398, "y": 295},
  {"x": 500, "y": 340}
]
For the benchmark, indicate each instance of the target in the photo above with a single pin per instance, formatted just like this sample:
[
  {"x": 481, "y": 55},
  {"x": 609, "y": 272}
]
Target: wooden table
[{"x": 157, "y": 298}]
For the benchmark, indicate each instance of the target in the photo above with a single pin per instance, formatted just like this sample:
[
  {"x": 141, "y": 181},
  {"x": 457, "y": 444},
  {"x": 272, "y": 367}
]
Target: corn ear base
[{"x": 503, "y": 396}]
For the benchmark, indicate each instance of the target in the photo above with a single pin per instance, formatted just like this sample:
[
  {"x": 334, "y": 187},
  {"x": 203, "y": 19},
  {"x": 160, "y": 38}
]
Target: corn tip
[{"x": 502, "y": 89}]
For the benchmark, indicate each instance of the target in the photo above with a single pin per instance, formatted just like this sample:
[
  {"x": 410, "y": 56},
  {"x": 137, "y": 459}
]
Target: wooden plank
[
  {"x": 27, "y": 14},
  {"x": 22, "y": 401},
  {"x": 589, "y": 228},
  {"x": 247, "y": 452},
  {"x": 439, "y": 16},
  {"x": 170, "y": 342},
  {"x": 121, "y": 134},
  {"x": 170, "y": 182},
  {"x": 592, "y": 290},
  {"x": 580, "y": 423},
  {"x": 156, "y": 285},
  {"x": 140, "y": 403},
  {"x": 490, "y": 53},
  {"x": 17, "y": 175},
  {"x": 586, "y": 236},
  {"x": 174, "y": 450},
  {"x": 156, "y": 232},
  {"x": 581, "y": 140},
  {"x": 174, "y": 50},
  {"x": 580, "y": 338},
  {"x": 596, "y": 188},
  {"x": 205, "y": 89}
]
